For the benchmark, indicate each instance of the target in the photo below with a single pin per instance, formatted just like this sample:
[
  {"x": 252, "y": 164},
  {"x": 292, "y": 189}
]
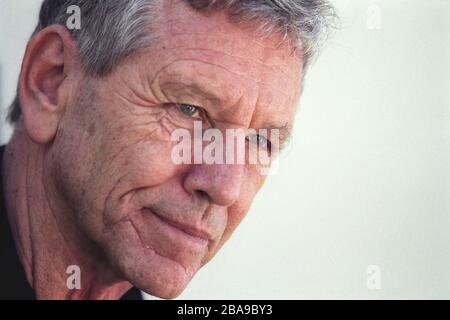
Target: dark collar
[
  {"x": 12, "y": 277},
  {"x": 13, "y": 283}
]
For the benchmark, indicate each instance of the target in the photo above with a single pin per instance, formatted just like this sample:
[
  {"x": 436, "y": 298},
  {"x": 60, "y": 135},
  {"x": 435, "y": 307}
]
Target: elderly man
[{"x": 91, "y": 193}]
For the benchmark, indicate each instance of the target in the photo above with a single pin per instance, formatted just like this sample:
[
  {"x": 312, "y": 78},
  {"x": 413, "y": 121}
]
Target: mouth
[{"x": 200, "y": 237}]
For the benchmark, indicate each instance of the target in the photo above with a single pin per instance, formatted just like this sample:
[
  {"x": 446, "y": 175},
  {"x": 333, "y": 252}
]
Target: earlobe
[{"x": 49, "y": 58}]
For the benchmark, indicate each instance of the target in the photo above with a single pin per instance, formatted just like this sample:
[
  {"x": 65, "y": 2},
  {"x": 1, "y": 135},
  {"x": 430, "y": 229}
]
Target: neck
[{"x": 47, "y": 236}]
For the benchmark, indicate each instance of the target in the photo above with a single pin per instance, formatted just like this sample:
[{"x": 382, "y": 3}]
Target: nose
[{"x": 220, "y": 182}]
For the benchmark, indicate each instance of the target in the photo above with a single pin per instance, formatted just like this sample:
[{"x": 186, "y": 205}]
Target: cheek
[
  {"x": 104, "y": 151},
  {"x": 127, "y": 161},
  {"x": 137, "y": 148}
]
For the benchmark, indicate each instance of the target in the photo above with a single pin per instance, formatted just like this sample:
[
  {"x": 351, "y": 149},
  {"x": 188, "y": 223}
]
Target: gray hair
[{"x": 114, "y": 29}]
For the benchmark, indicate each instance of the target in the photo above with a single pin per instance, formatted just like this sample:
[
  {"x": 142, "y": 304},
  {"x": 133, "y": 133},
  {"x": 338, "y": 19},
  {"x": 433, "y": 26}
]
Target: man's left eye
[
  {"x": 189, "y": 110},
  {"x": 260, "y": 141}
]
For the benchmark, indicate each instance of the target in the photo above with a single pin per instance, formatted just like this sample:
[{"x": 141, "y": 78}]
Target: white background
[{"x": 366, "y": 180}]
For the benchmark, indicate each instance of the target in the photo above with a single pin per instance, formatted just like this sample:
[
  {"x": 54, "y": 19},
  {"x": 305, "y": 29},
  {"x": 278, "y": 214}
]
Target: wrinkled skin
[{"x": 108, "y": 167}]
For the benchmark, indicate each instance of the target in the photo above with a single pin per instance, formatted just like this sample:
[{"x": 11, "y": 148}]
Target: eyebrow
[{"x": 198, "y": 90}]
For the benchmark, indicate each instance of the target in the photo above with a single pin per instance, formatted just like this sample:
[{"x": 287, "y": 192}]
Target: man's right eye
[{"x": 189, "y": 110}]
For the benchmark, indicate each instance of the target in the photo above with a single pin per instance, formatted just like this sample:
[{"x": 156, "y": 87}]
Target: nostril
[
  {"x": 217, "y": 184},
  {"x": 204, "y": 195}
]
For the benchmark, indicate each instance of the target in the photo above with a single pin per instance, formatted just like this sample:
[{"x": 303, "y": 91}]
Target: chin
[
  {"x": 164, "y": 284},
  {"x": 152, "y": 273},
  {"x": 164, "y": 279}
]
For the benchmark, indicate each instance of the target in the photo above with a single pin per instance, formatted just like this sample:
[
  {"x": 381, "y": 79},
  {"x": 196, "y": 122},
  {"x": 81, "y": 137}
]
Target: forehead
[{"x": 178, "y": 25}]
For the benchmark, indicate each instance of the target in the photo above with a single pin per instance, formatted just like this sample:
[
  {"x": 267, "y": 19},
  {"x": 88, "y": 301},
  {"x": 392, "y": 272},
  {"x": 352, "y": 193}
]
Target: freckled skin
[{"x": 111, "y": 158}]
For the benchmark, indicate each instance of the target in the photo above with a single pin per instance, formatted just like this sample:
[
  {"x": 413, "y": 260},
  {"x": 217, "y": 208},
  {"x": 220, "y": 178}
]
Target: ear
[{"x": 50, "y": 59}]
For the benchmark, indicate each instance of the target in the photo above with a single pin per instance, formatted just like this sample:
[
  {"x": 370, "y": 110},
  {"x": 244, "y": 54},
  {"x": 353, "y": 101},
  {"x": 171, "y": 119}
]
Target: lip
[{"x": 187, "y": 230}]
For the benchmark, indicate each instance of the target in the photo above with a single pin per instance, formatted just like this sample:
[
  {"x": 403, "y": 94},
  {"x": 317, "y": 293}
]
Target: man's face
[{"x": 158, "y": 222}]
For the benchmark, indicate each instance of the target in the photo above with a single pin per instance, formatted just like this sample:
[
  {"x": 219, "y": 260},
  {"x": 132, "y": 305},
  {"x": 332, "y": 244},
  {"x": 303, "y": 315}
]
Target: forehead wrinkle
[
  {"x": 261, "y": 62},
  {"x": 248, "y": 38},
  {"x": 272, "y": 58},
  {"x": 179, "y": 20},
  {"x": 249, "y": 42},
  {"x": 219, "y": 21}
]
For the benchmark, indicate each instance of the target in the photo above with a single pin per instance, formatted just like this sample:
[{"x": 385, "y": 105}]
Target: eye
[
  {"x": 263, "y": 142},
  {"x": 260, "y": 141},
  {"x": 189, "y": 110}
]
